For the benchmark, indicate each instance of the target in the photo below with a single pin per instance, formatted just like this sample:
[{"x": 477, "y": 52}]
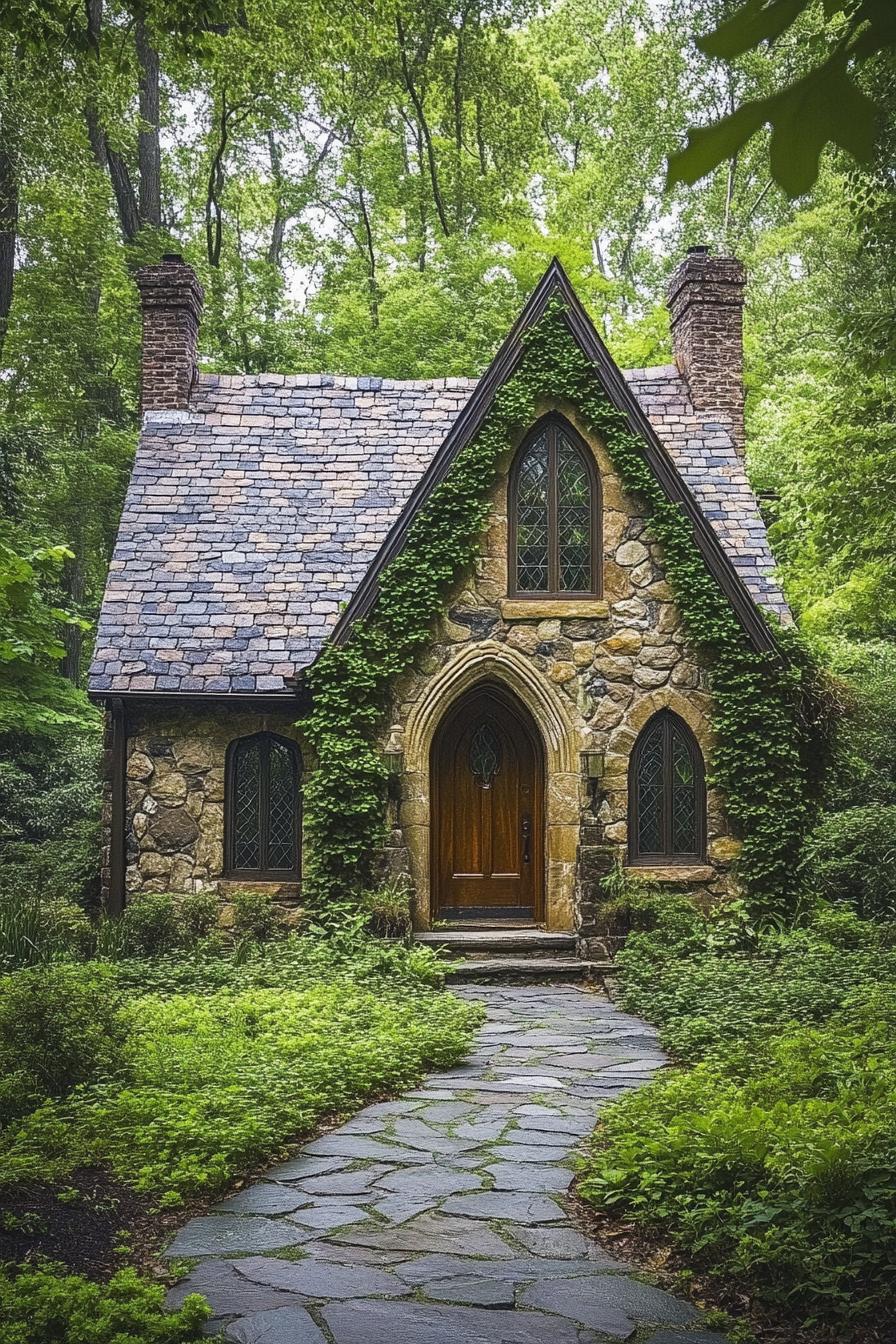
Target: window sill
[
  {"x": 543, "y": 608},
  {"x": 280, "y": 886},
  {"x": 678, "y": 874}
]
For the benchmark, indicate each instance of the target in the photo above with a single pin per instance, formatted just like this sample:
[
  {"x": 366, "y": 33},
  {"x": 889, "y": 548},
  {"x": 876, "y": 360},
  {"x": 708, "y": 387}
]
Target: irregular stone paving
[{"x": 440, "y": 1218}]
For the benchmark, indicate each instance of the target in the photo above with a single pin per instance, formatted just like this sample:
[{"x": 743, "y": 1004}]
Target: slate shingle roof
[{"x": 252, "y": 518}]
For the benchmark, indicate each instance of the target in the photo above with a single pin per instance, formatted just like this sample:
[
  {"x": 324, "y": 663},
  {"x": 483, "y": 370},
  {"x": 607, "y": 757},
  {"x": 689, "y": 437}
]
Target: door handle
[{"x": 527, "y": 832}]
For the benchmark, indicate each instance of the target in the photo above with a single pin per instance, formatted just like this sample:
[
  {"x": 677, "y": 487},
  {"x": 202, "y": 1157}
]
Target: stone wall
[
  {"x": 175, "y": 796},
  {"x": 591, "y": 672}
]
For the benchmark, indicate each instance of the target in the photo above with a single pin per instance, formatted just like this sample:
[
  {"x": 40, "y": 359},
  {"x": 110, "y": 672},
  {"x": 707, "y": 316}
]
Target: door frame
[{"x": 524, "y": 721}]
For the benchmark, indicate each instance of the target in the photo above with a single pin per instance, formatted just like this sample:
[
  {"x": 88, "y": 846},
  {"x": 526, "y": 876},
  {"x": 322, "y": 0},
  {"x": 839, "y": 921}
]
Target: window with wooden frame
[
  {"x": 263, "y": 808},
  {"x": 667, "y": 794},
  {"x": 554, "y": 515}
]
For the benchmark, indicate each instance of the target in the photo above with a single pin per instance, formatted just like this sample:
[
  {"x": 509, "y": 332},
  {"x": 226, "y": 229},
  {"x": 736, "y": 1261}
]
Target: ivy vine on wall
[{"x": 762, "y": 760}]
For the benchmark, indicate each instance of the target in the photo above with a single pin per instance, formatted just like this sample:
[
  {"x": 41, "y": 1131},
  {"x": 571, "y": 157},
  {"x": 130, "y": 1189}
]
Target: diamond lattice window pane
[
  {"x": 573, "y": 519},
  {"x": 532, "y": 519},
  {"x": 684, "y": 796},
  {"x": 649, "y": 784},
  {"x": 282, "y": 804},
  {"x": 246, "y": 806},
  {"x": 485, "y": 754}
]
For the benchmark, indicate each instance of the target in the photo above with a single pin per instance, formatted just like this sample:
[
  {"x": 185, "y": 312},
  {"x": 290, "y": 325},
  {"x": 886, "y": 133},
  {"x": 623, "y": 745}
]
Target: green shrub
[
  {"x": 388, "y": 909},
  {"x": 772, "y": 1162},
  {"x": 257, "y": 915},
  {"x": 150, "y": 924},
  {"x": 781, "y": 1178},
  {"x": 48, "y": 1306},
  {"x": 851, "y": 858},
  {"x": 59, "y": 1026},
  {"x": 49, "y": 815},
  {"x": 198, "y": 916},
  {"x": 230, "y": 1059},
  {"x": 864, "y": 765},
  {"x": 34, "y": 930}
]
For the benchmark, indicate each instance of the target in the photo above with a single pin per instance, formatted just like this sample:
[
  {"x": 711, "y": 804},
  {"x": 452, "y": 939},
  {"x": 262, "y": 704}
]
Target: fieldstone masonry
[
  {"x": 608, "y": 665},
  {"x": 256, "y": 507},
  {"x": 175, "y": 797}
]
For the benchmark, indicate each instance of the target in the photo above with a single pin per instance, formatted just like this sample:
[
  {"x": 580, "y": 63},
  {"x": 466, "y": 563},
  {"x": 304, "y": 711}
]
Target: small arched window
[
  {"x": 263, "y": 808},
  {"x": 667, "y": 795},
  {"x": 554, "y": 515}
]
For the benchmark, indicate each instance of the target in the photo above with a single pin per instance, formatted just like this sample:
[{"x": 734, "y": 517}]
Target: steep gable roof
[
  {"x": 555, "y": 283},
  {"x": 252, "y": 520}
]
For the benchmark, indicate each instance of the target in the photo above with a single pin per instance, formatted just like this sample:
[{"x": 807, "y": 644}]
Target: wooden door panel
[{"x": 486, "y": 793}]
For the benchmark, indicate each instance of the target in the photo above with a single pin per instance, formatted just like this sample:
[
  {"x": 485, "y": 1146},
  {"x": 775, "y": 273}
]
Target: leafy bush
[
  {"x": 851, "y": 858},
  {"x": 150, "y": 924},
  {"x": 49, "y": 815},
  {"x": 230, "y": 1059},
  {"x": 772, "y": 1162},
  {"x": 59, "y": 1026},
  {"x": 256, "y": 915},
  {"x": 864, "y": 765},
  {"x": 48, "y": 1306},
  {"x": 34, "y": 930},
  {"x": 388, "y": 908},
  {"x": 198, "y": 912}
]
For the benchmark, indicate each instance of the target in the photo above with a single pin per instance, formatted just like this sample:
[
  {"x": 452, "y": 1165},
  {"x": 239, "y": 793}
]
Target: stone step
[
  {"x": 526, "y": 968},
  {"x": 522, "y": 942}
]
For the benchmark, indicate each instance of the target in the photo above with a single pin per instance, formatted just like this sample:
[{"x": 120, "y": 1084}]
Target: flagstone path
[{"x": 440, "y": 1218}]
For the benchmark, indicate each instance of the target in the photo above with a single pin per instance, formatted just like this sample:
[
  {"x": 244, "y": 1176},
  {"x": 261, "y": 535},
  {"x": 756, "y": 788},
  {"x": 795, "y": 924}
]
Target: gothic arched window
[
  {"x": 554, "y": 516},
  {"x": 263, "y": 808},
  {"x": 667, "y": 795}
]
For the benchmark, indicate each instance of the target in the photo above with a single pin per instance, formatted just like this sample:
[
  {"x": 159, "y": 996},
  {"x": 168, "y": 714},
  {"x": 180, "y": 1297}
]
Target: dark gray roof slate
[{"x": 252, "y": 518}]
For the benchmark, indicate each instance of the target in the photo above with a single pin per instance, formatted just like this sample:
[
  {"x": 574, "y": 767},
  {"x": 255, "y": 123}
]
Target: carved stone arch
[
  {"x": 622, "y": 739},
  {"x": 689, "y": 706},
  {"x": 490, "y": 660},
  {"x": 563, "y": 737}
]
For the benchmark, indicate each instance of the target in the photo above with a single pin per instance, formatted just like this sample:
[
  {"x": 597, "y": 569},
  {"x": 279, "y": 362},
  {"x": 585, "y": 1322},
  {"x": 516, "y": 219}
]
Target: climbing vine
[{"x": 762, "y": 760}]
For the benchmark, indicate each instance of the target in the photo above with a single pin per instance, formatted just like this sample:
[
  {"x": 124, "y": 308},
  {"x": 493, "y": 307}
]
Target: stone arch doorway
[{"x": 487, "y": 788}]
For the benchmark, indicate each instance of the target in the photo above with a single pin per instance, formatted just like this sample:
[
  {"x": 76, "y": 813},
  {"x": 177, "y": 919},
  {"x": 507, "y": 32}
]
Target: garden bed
[{"x": 766, "y": 1170}]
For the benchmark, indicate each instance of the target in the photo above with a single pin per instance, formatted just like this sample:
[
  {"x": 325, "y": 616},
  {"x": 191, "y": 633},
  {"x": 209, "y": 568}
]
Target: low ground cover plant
[
  {"x": 772, "y": 1160},
  {"x": 46, "y": 1306},
  {"x": 209, "y": 1065},
  {"x": 168, "y": 1074}
]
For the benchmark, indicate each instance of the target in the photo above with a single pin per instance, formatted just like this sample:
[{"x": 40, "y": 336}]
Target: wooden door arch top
[{"x": 487, "y": 798}]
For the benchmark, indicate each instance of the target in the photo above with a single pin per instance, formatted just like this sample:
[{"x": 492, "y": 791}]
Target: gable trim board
[{"x": 556, "y": 282}]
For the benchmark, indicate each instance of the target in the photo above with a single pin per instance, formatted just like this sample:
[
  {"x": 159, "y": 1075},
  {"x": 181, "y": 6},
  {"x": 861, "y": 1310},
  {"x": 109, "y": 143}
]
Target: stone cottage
[{"x": 558, "y": 718}]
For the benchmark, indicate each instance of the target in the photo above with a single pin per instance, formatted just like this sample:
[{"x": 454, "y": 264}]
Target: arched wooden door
[{"x": 487, "y": 810}]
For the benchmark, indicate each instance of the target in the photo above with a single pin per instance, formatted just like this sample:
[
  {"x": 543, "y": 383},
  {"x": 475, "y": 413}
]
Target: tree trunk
[
  {"x": 149, "y": 155},
  {"x": 107, "y": 158},
  {"x": 278, "y": 228},
  {"x": 9, "y": 218},
  {"x": 417, "y": 101}
]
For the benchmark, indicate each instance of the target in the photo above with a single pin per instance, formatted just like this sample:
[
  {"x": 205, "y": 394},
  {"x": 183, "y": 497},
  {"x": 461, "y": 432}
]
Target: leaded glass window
[
  {"x": 666, "y": 793},
  {"x": 554, "y": 511},
  {"x": 263, "y": 807}
]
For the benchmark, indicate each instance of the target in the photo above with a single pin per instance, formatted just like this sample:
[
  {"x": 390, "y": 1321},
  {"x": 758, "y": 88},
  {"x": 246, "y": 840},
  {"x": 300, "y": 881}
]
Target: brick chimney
[
  {"x": 171, "y": 299},
  {"x": 706, "y": 300}
]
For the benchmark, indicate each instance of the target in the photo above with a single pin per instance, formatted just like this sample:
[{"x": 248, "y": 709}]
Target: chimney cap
[
  {"x": 700, "y": 250},
  {"x": 172, "y": 259}
]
